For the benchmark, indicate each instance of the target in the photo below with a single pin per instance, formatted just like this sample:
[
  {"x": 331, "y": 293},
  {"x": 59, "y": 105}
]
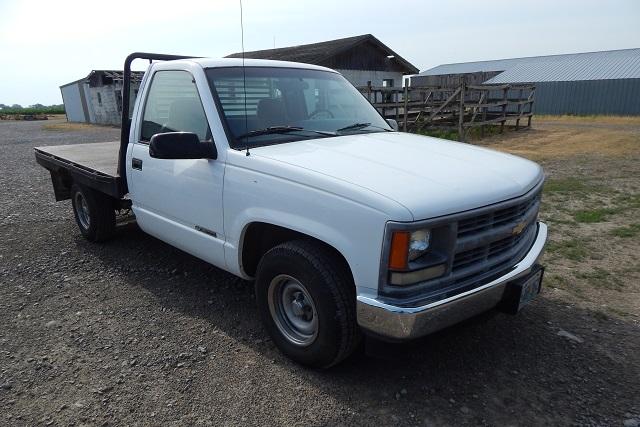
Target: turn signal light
[{"x": 398, "y": 256}]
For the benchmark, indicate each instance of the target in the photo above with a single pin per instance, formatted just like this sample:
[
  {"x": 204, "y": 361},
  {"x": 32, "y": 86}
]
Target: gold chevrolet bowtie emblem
[{"x": 518, "y": 228}]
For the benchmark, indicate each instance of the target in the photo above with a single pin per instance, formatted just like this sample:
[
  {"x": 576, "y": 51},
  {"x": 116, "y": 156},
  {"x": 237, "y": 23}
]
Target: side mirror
[
  {"x": 181, "y": 145},
  {"x": 393, "y": 124}
]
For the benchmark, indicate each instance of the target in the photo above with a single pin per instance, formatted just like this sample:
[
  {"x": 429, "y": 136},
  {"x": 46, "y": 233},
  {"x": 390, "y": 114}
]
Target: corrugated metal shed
[
  {"x": 605, "y": 82},
  {"x": 609, "y": 97},
  {"x": 574, "y": 69},
  {"x": 611, "y": 64}
]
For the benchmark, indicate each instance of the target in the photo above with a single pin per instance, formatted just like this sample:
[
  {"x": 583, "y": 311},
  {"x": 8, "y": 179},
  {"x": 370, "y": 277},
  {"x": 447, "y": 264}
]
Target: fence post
[
  {"x": 406, "y": 105},
  {"x": 532, "y": 98},
  {"x": 396, "y": 100},
  {"x": 505, "y": 93},
  {"x": 520, "y": 97},
  {"x": 461, "y": 117}
]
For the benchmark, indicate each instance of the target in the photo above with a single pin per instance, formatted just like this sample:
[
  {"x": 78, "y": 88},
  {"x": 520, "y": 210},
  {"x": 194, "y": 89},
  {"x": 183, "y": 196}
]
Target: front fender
[{"x": 356, "y": 231}]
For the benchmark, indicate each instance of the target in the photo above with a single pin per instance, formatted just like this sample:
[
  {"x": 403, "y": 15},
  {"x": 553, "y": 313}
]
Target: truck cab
[{"x": 283, "y": 174}]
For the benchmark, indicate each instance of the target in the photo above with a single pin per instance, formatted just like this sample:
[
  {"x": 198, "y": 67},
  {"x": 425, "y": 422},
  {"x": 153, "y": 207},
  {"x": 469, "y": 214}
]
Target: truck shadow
[{"x": 488, "y": 368}]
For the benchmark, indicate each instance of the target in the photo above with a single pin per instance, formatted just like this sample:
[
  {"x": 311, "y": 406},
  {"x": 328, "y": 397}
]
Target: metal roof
[
  {"x": 318, "y": 53},
  {"x": 116, "y": 75},
  {"x": 612, "y": 64}
]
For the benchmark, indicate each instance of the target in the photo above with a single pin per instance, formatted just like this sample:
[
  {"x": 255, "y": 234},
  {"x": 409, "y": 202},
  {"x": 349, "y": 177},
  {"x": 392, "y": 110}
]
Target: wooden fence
[{"x": 460, "y": 108}]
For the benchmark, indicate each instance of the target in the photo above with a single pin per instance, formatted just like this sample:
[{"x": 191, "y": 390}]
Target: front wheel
[
  {"x": 94, "y": 213},
  {"x": 306, "y": 299}
]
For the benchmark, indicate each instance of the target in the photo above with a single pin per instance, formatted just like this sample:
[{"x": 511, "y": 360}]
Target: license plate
[{"x": 530, "y": 288}]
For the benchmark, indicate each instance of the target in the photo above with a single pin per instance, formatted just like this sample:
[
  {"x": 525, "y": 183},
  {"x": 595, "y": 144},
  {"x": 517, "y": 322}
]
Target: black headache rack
[
  {"x": 100, "y": 166},
  {"x": 126, "y": 108}
]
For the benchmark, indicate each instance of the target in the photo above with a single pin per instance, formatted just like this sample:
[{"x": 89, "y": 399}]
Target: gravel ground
[{"x": 135, "y": 332}]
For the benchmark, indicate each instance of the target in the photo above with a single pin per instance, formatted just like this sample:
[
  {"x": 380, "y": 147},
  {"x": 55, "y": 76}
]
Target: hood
[{"x": 428, "y": 176}]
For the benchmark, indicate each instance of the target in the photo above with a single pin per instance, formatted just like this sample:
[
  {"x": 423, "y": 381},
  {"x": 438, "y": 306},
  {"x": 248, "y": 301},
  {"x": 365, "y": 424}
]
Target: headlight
[
  {"x": 413, "y": 258},
  {"x": 418, "y": 243},
  {"x": 407, "y": 246}
]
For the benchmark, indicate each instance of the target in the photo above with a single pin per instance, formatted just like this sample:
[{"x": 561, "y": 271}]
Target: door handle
[{"x": 136, "y": 163}]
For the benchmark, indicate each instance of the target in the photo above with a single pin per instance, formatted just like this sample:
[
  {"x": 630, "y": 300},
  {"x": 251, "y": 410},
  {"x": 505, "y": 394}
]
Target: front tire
[
  {"x": 306, "y": 299},
  {"x": 94, "y": 213}
]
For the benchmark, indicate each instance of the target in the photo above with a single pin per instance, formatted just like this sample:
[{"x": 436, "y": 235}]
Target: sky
[{"x": 44, "y": 43}]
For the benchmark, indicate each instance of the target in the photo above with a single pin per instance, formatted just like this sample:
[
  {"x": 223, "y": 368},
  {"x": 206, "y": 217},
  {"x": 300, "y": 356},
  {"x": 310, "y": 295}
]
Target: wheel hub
[
  {"x": 298, "y": 307},
  {"x": 82, "y": 210},
  {"x": 293, "y": 310}
]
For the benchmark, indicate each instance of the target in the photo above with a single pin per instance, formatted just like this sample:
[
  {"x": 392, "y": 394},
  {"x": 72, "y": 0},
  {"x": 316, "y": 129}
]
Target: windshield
[{"x": 290, "y": 104}]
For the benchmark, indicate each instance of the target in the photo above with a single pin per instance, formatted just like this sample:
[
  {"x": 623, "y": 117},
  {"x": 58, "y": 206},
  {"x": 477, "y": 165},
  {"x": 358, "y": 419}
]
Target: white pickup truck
[{"x": 283, "y": 173}]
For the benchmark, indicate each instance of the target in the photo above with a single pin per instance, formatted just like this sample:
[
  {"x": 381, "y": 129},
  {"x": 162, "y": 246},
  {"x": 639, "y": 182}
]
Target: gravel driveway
[{"x": 136, "y": 332}]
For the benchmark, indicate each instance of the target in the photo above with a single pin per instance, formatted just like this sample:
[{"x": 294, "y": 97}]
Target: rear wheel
[
  {"x": 94, "y": 213},
  {"x": 306, "y": 299}
]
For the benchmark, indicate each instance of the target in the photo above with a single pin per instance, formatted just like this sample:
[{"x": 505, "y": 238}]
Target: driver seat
[{"x": 271, "y": 112}]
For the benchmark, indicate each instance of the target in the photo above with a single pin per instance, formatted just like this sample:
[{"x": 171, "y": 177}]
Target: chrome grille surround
[{"x": 482, "y": 244}]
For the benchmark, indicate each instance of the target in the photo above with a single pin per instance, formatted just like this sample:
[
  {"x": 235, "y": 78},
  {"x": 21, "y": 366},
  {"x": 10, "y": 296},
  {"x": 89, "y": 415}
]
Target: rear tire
[
  {"x": 94, "y": 213},
  {"x": 307, "y": 302}
]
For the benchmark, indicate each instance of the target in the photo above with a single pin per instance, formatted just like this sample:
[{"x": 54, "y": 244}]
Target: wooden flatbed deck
[{"x": 94, "y": 165}]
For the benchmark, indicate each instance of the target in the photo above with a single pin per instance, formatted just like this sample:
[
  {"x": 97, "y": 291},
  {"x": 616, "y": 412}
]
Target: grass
[
  {"x": 631, "y": 201},
  {"x": 565, "y": 185},
  {"x": 570, "y": 139},
  {"x": 589, "y": 216},
  {"x": 592, "y": 205},
  {"x": 574, "y": 249},
  {"x": 556, "y": 281},
  {"x": 572, "y": 186},
  {"x": 588, "y": 118},
  {"x": 452, "y": 134},
  {"x": 439, "y": 133},
  {"x": 625, "y": 232},
  {"x": 622, "y": 204},
  {"x": 601, "y": 278},
  {"x": 66, "y": 126}
]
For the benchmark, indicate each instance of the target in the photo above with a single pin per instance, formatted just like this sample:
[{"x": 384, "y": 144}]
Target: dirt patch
[
  {"x": 555, "y": 139},
  {"x": 592, "y": 204},
  {"x": 60, "y": 126}
]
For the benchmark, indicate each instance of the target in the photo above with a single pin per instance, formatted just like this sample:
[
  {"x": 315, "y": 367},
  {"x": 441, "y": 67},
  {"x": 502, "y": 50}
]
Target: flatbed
[{"x": 94, "y": 165}]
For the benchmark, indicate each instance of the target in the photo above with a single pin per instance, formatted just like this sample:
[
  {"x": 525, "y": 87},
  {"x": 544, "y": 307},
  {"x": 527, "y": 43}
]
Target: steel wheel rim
[
  {"x": 82, "y": 210},
  {"x": 293, "y": 310}
]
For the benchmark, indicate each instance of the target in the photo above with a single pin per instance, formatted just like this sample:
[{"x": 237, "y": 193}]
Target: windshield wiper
[
  {"x": 282, "y": 129},
  {"x": 357, "y": 126},
  {"x": 270, "y": 130}
]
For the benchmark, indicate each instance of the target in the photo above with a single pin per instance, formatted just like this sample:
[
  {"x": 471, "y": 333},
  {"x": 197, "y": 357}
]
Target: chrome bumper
[{"x": 403, "y": 323}]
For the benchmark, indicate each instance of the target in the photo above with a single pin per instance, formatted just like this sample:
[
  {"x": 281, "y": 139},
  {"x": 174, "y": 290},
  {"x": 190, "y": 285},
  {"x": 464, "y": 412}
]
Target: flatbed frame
[{"x": 94, "y": 165}]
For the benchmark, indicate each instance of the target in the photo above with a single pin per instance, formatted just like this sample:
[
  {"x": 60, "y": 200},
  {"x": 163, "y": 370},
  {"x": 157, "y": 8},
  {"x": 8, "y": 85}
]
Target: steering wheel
[{"x": 322, "y": 110}]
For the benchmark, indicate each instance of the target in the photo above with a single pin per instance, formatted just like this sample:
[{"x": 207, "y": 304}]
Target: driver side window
[{"x": 173, "y": 105}]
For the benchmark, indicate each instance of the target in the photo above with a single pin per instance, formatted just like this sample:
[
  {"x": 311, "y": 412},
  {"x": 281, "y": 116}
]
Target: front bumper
[{"x": 404, "y": 323}]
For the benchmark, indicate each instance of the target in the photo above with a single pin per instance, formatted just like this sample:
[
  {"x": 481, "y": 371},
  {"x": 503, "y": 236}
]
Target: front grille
[
  {"x": 489, "y": 251},
  {"x": 495, "y": 219},
  {"x": 493, "y": 237},
  {"x": 483, "y": 244}
]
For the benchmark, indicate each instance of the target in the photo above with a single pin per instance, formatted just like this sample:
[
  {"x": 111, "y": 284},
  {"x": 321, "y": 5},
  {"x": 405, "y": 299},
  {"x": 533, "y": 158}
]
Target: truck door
[{"x": 178, "y": 201}]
